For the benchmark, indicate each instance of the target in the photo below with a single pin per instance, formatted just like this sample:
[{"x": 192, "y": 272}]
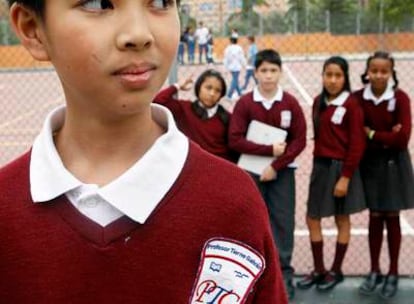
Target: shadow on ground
[{"x": 347, "y": 293}]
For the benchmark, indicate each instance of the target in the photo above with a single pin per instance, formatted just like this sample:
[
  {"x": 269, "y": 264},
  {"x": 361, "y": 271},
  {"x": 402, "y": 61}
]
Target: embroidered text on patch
[{"x": 227, "y": 272}]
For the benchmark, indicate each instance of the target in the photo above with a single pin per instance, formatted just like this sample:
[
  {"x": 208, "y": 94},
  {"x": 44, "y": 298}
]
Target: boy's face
[
  {"x": 268, "y": 75},
  {"x": 112, "y": 56}
]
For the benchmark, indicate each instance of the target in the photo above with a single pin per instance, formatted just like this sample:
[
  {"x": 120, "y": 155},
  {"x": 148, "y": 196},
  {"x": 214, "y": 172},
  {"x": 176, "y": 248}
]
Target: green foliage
[
  {"x": 7, "y": 36},
  {"x": 275, "y": 23},
  {"x": 349, "y": 16}
]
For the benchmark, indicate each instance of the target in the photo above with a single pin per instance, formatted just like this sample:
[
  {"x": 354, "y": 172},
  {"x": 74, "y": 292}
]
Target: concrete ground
[{"x": 347, "y": 293}]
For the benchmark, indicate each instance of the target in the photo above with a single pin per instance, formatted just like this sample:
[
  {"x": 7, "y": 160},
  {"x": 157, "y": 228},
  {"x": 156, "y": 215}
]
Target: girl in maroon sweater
[
  {"x": 204, "y": 121},
  {"x": 335, "y": 187},
  {"x": 386, "y": 166}
]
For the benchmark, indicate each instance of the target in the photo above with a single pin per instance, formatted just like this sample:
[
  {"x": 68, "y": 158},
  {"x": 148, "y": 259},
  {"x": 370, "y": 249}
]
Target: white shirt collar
[
  {"x": 210, "y": 111},
  {"x": 340, "y": 99},
  {"x": 387, "y": 95},
  {"x": 137, "y": 192},
  {"x": 267, "y": 103}
]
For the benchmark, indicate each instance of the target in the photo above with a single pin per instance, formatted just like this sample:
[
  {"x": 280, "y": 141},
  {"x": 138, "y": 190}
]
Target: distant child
[
  {"x": 204, "y": 121},
  {"x": 181, "y": 49},
  {"x": 113, "y": 204},
  {"x": 269, "y": 104},
  {"x": 251, "y": 57},
  {"x": 234, "y": 33},
  {"x": 386, "y": 168},
  {"x": 234, "y": 61},
  {"x": 191, "y": 42},
  {"x": 201, "y": 35},
  {"x": 336, "y": 186},
  {"x": 210, "y": 47}
]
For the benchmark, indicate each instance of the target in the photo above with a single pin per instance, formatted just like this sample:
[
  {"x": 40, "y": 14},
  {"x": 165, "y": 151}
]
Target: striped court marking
[
  {"x": 298, "y": 86},
  {"x": 15, "y": 144},
  {"x": 19, "y": 131},
  {"x": 405, "y": 226},
  {"x": 406, "y": 229},
  {"x": 30, "y": 113}
]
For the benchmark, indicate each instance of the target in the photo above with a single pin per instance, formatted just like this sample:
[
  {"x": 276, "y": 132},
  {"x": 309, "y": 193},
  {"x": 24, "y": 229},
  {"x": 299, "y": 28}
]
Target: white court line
[
  {"x": 298, "y": 86},
  {"x": 406, "y": 229},
  {"x": 14, "y": 144},
  {"x": 30, "y": 113},
  {"x": 405, "y": 226},
  {"x": 332, "y": 232}
]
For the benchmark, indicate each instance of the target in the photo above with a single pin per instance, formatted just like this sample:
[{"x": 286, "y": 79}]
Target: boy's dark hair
[
  {"x": 233, "y": 40},
  {"x": 251, "y": 38},
  {"x": 381, "y": 55},
  {"x": 36, "y": 6},
  {"x": 267, "y": 55},
  {"x": 343, "y": 64},
  {"x": 206, "y": 74}
]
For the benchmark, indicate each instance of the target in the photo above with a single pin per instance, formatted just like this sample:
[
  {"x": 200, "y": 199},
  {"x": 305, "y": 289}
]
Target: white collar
[
  {"x": 340, "y": 99},
  {"x": 267, "y": 103},
  {"x": 210, "y": 111},
  {"x": 387, "y": 95},
  {"x": 137, "y": 192}
]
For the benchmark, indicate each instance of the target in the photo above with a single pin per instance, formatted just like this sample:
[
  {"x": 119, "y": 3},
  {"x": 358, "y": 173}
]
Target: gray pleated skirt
[
  {"x": 321, "y": 202},
  {"x": 388, "y": 180}
]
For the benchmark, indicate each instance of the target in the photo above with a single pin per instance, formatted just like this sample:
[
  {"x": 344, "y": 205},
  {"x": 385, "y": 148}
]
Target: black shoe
[
  {"x": 330, "y": 281},
  {"x": 310, "y": 280},
  {"x": 371, "y": 282},
  {"x": 290, "y": 289},
  {"x": 390, "y": 287}
]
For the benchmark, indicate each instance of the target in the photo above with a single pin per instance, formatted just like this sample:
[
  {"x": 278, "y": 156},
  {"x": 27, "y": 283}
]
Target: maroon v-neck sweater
[{"x": 50, "y": 253}]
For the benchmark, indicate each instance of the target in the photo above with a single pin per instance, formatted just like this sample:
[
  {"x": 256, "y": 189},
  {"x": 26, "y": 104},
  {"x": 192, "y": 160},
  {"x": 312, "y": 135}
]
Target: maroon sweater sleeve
[
  {"x": 357, "y": 138},
  {"x": 166, "y": 98},
  {"x": 239, "y": 123},
  {"x": 398, "y": 140},
  {"x": 296, "y": 139}
]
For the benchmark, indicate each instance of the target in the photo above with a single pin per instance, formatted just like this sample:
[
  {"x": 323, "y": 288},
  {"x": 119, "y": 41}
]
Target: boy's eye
[
  {"x": 95, "y": 5},
  {"x": 162, "y": 4}
]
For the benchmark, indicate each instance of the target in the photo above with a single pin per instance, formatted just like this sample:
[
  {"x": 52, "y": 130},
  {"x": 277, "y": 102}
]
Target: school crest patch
[{"x": 227, "y": 273}]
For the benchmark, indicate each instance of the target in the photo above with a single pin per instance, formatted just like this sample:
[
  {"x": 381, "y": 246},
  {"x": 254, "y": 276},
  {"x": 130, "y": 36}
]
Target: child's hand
[
  {"x": 367, "y": 130},
  {"x": 341, "y": 187},
  {"x": 268, "y": 174},
  {"x": 186, "y": 84},
  {"x": 279, "y": 148},
  {"x": 396, "y": 128}
]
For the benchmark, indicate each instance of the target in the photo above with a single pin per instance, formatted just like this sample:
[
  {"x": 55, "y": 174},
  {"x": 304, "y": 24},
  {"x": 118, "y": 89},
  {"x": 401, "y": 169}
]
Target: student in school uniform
[
  {"x": 204, "y": 120},
  {"x": 270, "y": 104},
  {"x": 113, "y": 204},
  {"x": 386, "y": 167},
  {"x": 335, "y": 186}
]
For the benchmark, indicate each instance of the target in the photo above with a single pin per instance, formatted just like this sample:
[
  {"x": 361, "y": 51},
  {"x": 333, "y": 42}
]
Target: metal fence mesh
[{"x": 304, "y": 32}]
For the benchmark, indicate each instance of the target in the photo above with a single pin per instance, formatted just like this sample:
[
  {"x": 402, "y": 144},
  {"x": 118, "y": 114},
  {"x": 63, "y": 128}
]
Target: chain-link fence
[{"x": 304, "y": 32}]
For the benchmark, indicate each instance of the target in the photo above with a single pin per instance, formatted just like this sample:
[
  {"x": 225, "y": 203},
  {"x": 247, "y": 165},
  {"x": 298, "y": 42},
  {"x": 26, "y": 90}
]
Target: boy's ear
[{"x": 28, "y": 26}]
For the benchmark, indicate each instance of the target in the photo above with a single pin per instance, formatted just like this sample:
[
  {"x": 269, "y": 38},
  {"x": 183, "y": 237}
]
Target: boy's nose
[{"x": 134, "y": 32}]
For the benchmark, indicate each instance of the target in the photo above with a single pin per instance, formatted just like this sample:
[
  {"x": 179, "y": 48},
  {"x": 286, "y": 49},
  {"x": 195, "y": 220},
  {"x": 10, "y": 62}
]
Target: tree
[{"x": 393, "y": 15}]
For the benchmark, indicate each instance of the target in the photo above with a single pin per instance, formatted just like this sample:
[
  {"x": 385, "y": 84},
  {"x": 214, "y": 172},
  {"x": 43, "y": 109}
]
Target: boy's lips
[{"x": 135, "y": 76}]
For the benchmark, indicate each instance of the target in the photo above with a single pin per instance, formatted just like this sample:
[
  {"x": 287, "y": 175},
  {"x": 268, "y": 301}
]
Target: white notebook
[{"x": 260, "y": 133}]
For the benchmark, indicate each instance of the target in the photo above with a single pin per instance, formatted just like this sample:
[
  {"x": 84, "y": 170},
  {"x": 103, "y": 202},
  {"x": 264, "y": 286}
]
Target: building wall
[{"x": 214, "y": 13}]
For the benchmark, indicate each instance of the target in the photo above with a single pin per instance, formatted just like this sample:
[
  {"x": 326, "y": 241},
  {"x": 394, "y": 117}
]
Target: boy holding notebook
[{"x": 269, "y": 104}]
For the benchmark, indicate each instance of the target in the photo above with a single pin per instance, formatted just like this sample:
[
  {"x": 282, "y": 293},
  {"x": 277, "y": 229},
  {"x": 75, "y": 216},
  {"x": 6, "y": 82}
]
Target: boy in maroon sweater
[
  {"x": 269, "y": 104},
  {"x": 113, "y": 204}
]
